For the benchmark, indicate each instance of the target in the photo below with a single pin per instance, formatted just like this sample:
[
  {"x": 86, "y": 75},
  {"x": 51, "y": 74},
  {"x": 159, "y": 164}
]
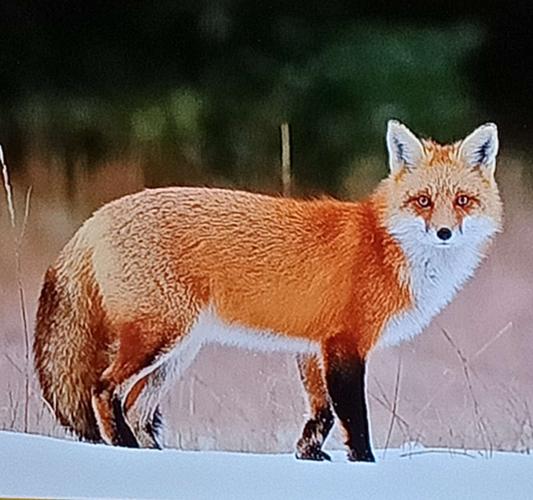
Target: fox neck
[{"x": 434, "y": 276}]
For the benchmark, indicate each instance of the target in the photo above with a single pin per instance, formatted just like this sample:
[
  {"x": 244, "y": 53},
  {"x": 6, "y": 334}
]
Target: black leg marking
[
  {"x": 309, "y": 446},
  {"x": 346, "y": 385},
  {"x": 154, "y": 428},
  {"x": 124, "y": 434}
]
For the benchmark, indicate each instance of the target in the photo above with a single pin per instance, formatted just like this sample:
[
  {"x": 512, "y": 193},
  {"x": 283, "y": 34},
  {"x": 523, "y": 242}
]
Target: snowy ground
[{"x": 35, "y": 466}]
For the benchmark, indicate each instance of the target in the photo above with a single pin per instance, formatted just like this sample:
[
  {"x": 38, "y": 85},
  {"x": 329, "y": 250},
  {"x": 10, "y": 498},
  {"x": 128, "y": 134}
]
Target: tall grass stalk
[{"x": 18, "y": 238}]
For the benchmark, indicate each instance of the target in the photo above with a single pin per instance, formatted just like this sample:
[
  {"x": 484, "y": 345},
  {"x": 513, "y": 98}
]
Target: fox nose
[{"x": 444, "y": 233}]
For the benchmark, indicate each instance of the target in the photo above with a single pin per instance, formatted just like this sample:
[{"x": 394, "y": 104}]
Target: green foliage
[
  {"x": 342, "y": 97},
  {"x": 337, "y": 95}
]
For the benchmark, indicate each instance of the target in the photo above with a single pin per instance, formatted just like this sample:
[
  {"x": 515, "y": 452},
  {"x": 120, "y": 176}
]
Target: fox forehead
[
  {"x": 447, "y": 179},
  {"x": 439, "y": 160},
  {"x": 439, "y": 154},
  {"x": 442, "y": 171}
]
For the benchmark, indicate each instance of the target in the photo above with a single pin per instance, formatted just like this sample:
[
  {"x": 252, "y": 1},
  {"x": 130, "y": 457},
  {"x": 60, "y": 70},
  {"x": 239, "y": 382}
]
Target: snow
[{"x": 36, "y": 466}]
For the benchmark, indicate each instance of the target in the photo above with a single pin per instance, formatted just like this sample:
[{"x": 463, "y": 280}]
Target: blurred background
[{"x": 99, "y": 99}]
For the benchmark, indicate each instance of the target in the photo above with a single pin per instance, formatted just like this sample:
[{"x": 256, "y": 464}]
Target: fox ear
[
  {"x": 480, "y": 148},
  {"x": 405, "y": 149}
]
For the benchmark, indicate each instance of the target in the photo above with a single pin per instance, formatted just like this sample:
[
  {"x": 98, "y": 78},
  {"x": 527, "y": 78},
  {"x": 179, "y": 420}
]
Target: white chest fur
[{"x": 435, "y": 275}]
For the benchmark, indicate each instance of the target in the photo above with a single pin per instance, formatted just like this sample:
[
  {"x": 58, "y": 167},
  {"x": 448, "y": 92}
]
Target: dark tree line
[{"x": 254, "y": 64}]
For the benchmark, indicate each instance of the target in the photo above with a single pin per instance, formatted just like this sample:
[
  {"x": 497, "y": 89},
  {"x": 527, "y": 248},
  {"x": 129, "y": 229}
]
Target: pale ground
[
  {"x": 242, "y": 401},
  {"x": 33, "y": 466}
]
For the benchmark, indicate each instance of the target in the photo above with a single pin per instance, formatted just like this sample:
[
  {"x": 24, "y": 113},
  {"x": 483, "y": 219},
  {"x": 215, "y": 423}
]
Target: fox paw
[
  {"x": 313, "y": 454},
  {"x": 366, "y": 456}
]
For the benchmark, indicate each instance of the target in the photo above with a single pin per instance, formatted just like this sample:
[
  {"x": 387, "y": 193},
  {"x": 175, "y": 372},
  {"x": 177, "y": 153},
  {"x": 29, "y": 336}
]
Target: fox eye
[
  {"x": 423, "y": 201},
  {"x": 462, "y": 200}
]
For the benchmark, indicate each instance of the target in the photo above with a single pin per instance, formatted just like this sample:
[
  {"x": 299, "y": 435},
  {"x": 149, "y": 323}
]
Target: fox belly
[{"x": 211, "y": 328}]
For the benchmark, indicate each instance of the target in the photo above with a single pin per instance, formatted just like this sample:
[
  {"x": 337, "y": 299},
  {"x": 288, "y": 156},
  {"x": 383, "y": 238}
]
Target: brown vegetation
[{"x": 463, "y": 383}]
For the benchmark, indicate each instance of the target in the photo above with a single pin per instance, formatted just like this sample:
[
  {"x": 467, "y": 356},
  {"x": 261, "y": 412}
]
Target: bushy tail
[{"x": 70, "y": 348}]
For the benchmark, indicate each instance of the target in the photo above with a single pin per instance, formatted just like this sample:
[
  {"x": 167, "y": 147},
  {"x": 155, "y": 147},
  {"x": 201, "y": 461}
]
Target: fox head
[{"x": 442, "y": 196}]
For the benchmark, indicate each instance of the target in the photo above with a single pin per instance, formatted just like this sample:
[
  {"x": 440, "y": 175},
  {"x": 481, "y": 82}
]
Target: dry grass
[
  {"x": 20, "y": 286},
  {"x": 469, "y": 389}
]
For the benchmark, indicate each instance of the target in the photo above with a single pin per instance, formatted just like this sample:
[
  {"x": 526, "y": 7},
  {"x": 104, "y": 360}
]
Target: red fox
[{"x": 152, "y": 277}]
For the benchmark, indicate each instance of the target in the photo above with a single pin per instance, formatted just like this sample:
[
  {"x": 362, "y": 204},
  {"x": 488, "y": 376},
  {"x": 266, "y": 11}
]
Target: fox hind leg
[
  {"x": 316, "y": 429},
  {"x": 146, "y": 424},
  {"x": 109, "y": 415},
  {"x": 108, "y": 406},
  {"x": 143, "y": 348},
  {"x": 142, "y": 406},
  {"x": 154, "y": 428},
  {"x": 143, "y": 414}
]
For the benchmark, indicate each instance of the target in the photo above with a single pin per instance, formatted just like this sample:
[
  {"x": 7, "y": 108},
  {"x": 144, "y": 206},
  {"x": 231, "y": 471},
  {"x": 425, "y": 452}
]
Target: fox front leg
[
  {"x": 316, "y": 429},
  {"x": 345, "y": 379}
]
